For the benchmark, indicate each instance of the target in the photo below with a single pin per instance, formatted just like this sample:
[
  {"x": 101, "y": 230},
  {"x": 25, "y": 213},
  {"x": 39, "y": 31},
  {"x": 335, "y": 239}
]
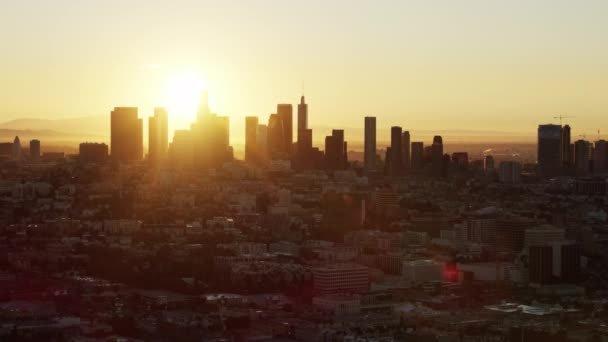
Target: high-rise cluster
[{"x": 557, "y": 155}]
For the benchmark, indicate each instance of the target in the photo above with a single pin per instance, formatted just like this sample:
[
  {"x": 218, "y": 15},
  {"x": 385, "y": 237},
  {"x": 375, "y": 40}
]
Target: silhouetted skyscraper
[
  {"x": 158, "y": 132},
  {"x": 396, "y": 154},
  {"x": 549, "y": 150},
  {"x": 262, "y": 143},
  {"x": 369, "y": 156},
  {"x": 251, "y": 139},
  {"x": 16, "y": 153},
  {"x": 335, "y": 150},
  {"x": 338, "y": 134},
  {"x": 302, "y": 117},
  {"x": 34, "y": 149},
  {"x": 182, "y": 150},
  {"x": 126, "y": 134},
  {"x": 488, "y": 163},
  {"x": 276, "y": 139},
  {"x": 285, "y": 112},
  {"x": 417, "y": 155},
  {"x": 437, "y": 156},
  {"x": 210, "y": 137},
  {"x": 600, "y": 157},
  {"x": 566, "y": 156},
  {"x": 581, "y": 157},
  {"x": 405, "y": 150}
]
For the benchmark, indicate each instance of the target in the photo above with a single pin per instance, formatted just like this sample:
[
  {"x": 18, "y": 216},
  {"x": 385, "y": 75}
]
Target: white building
[{"x": 341, "y": 278}]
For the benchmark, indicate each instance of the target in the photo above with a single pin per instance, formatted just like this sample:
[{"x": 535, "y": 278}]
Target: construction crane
[{"x": 560, "y": 117}]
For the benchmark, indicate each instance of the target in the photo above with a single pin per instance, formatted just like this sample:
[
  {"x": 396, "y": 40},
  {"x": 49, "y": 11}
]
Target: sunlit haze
[{"x": 453, "y": 65}]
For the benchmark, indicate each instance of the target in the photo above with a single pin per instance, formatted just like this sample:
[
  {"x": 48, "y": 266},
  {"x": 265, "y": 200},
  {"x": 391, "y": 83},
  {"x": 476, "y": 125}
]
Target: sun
[{"x": 183, "y": 93}]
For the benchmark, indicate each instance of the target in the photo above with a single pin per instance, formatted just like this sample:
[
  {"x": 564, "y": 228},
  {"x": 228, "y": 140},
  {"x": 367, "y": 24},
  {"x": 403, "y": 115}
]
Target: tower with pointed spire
[
  {"x": 302, "y": 117},
  {"x": 16, "y": 149}
]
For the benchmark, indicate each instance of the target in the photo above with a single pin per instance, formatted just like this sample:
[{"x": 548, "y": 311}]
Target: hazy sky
[{"x": 500, "y": 65}]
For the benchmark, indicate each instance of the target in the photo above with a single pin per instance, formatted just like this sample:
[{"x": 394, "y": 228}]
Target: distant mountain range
[{"x": 90, "y": 128}]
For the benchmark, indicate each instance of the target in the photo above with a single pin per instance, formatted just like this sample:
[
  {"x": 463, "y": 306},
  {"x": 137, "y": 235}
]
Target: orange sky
[{"x": 424, "y": 65}]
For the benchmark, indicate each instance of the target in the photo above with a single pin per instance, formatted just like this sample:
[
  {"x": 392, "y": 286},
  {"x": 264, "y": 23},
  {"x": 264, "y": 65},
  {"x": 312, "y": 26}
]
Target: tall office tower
[
  {"x": 405, "y": 150},
  {"x": 126, "y": 135},
  {"x": 387, "y": 161},
  {"x": 549, "y": 150},
  {"x": 285, "y": 112},
  {"x": 396, "y": 154},
  {"x": 437, "y": 156},
  {"x": 600, "y": 157},
  {"x": 338, "y": 135},
  {"x": 335, "y": 146},
  {"x": 369, "y": 154},
  {"x": 417, "y": 155},
  {"x": 509, "y": 172},
  {"x": 262, "y": 142},
  {"x": 275, "y": 138},
  {"x": 182, "y": 150},
  {"x": 34, "y": 149},
  {"x": 488, "y": 163},
  {"x": 16, "y": 150},
  {"x": 157, "y": 135},
  {"x": 139, "y": 137},
  {"x": 305, "y": 154},
  {"x": 163, "y": 126},
  {"x": 302, "y": 117},
  {"x": 331, "y": 155},
  {"x": 251, "y": 139},
  {"x": 581, "y": 157},
  {"x": 222, "y": 143},
  {"x": 306, "y": 140},
  {"x": 566, "y": 156}
]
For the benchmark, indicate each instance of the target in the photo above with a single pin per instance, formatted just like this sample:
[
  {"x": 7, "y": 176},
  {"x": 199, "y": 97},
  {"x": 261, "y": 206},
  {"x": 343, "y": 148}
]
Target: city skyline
[{"x": 418, "y": 64}]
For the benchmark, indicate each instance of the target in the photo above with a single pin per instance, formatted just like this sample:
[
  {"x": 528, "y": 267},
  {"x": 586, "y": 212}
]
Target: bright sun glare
[{"x": 182, "y": 94}]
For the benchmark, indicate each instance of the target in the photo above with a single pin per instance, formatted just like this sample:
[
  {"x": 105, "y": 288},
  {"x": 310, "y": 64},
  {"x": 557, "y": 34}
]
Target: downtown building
[
  {"x": 158, "y": 136},
  {"x": 126, "y": 141},
  {"x": 549, "y": 150},
  {"x": 340, "y": 278}
]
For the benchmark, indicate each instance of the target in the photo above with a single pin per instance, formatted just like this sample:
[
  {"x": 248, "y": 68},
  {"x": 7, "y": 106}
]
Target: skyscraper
[
  {"x": 126, "y": 134},
  {"x": 369, "y": 156},
  {"x": 335, "y": 150},
  {"x": 16, "y": 152},
  {"x": 581, "y": 157},
  {"x": 600, "y": 157},
  {"x": 262, "y": 143},
  {"x": 275, "y": 138},
  {"x": 158, "y": 132},
  {"x": 396, "y": 154},
  {"x": 509, "y": 172},
  {"x": 251, "y": 138},
  {"x": 210, "y": 136},
  {"x": 405, "y": 150},
  {"x": 488, "y": 163},
  {"x": 34, "y": 149},
  {"x": 302, "y": 117},
  {"x": 566, "y": 156},
  {"x": 437, "y": 156},
  {"x": 417, "y": 155},
  {"x": 549, "y": 150},
  {"x": 285, "y": 113}
]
